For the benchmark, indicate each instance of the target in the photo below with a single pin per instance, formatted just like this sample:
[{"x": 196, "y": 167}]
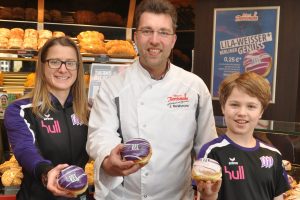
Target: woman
[{"x": 47, "y": 128}]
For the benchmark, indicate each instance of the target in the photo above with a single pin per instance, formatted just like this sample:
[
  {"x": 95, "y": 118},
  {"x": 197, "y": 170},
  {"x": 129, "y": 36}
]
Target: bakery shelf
[{"x": 18, "y": 24}]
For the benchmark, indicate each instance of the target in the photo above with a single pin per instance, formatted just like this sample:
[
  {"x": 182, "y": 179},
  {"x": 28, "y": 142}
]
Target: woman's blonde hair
[
  {"x": 251, "y": 83},
  {"x": 40, "y": 95}
]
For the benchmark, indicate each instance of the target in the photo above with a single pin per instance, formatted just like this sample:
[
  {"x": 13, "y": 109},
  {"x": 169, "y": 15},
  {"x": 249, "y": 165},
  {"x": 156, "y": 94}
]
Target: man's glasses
[
  {"x": 150, "y": 32},
  {"x": 56, "y": 64}
]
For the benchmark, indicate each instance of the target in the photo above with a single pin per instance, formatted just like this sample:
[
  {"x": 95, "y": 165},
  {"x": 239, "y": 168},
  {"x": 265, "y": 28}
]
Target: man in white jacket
[{"x": 155, "y": 100}]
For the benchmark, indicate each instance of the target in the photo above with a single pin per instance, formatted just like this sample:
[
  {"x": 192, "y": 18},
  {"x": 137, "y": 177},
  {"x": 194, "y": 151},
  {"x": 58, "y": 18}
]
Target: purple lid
[
  {"x": 136, "y": 149},
  {"x": 72, "y": 178}
]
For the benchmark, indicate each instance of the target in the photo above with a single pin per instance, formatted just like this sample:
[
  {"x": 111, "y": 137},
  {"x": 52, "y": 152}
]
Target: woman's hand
[{"x": 52, "y": 184}]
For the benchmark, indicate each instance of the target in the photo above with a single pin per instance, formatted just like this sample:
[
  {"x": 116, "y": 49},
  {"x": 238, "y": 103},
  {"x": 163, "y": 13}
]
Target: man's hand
[
  {"x": 209, "y": 190},
  {"x": 114, "y": 165}
]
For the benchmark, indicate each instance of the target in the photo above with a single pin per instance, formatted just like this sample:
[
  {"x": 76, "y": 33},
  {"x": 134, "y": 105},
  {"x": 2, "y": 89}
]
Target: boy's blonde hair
[{"x": 251, "y": 83}]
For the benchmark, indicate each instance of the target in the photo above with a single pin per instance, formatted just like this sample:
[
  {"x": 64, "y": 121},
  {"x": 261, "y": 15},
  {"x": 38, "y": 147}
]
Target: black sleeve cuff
[{"x": 42, "y": 168}]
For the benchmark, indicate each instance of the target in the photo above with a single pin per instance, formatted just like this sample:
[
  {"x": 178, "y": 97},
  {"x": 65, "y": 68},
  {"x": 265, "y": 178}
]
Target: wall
[{"x": 287, "y": 98}]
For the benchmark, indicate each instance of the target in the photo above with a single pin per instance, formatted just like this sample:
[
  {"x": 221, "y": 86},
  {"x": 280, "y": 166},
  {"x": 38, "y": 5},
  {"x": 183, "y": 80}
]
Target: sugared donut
[
  {"x": 206, "y": 169},
  {"x": 137, "y": 150},
  {"x": 74, "y": 179},
  {"x": 258, "y": 61}
]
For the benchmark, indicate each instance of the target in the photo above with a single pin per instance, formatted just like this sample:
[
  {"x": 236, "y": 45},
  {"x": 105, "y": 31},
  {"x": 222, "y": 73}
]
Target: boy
[{"x": 250, "y": 168}]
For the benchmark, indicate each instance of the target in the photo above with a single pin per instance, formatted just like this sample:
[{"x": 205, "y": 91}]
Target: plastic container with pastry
[
  {"x": 3, "y": 42},
  {"x": 5, "y": 13},
  {"x": 4, "y": 32},
  {"x": 73, "y": 179},
  {"x": 206, "y": 169},
  {"x": 15, "y": 43},
  {"x": 30, "y": 33},
  {"x": 85, "y": 17},
  {"x": 30, "y": 43},
  {"x": 90, "y": 34},
  {"x": 58, "y": 34},
  {"x": 30, "y": 14},
  {"x": 46, "y": 34},
  {"x": 109, "y": 19},
  {"x": 18, "y": 13},
  {"x": 17, "y": 33},
  {"x": 138, "y": 150}
]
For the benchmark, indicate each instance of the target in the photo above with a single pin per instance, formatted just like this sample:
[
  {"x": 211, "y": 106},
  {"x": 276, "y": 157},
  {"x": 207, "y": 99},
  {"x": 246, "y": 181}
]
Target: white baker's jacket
[{"x": 164, "y": 112}]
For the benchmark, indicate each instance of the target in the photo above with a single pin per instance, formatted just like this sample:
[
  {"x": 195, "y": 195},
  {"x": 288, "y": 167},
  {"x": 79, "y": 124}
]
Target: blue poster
[{"x": 245, "y": 39}]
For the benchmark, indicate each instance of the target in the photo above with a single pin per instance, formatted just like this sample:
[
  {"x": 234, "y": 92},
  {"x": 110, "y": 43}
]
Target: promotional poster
[
  {"x": 245, "y": 39},
  {"x": 100, "y": 72}
]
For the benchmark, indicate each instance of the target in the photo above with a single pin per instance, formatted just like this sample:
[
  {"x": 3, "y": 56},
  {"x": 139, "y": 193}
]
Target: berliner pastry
[
  {"x": 30, "y": 14},
  {"x": 206, "y": 169},
  {"x": 4, "y": 32},
  {"x": 46, "y": 34},
  {"x": 73, "y": 179},
  {"x": 30, "y": 33},
  {"x": 15, "y": 43},
  {"x": 138, "y": 150},
  {"x": 58, "y": 34},
  {"x": 17, "y": 33},
  {"x": 258, "y": 61}
]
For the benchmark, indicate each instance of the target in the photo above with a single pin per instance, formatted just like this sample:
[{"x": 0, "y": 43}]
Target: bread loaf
[
  {"x": 4, "y": 32},
  {"x": 109, "y": 19},
  {"x": 85, "y": 17},
  {"x": 18, "y": 13},
  {"x": 17, "y": 33},
  {"x": 46, "y": 34},
  {"x": 5, "y": 13},
  {"x": 3, "y": 42},
  {"x": 30, "y": 14}
]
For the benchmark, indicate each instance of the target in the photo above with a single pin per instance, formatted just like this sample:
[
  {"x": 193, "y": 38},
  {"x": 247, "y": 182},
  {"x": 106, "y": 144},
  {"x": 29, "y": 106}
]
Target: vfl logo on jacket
[
  {"x": 178, "y": 101},
  {"x": 53, "y": 126},
  {"x": 266, "y": 161}
]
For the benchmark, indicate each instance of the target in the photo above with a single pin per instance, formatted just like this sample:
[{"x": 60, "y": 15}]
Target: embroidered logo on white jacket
[{"x": 178, "y": 101}]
